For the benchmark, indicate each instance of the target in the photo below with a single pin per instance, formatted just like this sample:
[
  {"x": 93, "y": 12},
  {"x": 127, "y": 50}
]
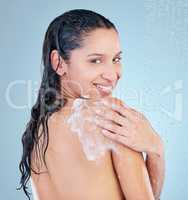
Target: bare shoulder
[
  {"x": 60, "y": 134},
  {"x": 69, "y": 166}
]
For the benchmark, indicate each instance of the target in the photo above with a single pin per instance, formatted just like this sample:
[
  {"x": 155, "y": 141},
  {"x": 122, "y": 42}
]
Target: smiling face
[{"x": 95, "y": 68}]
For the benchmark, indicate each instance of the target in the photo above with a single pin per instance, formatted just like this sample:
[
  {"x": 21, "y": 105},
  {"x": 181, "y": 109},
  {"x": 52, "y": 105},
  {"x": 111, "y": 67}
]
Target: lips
[{"x": 104, "y": 89}]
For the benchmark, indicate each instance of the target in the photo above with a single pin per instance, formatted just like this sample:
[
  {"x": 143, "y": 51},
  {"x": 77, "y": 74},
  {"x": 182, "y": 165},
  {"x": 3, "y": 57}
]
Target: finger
[
  {"x": 116, "y": 137},
  {"x": 124, "y": 111},
  {"x": 120, "y": 107},
  {"x": 130, "y": 113},
  {"x": 114, "y": 100},
  {"x": 137, "y": 113},
  {"x": 113, "y": 116},
  {"x": 108, "y": 125}
]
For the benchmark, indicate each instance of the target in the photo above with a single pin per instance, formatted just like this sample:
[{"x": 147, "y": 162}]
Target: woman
[{"x": 69, "y": 159}]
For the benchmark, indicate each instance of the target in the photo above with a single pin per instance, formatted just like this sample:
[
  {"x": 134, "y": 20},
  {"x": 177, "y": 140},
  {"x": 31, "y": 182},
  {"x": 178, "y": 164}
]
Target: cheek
[
  {"x": 82, "y": 83},
  {"x": 84, "y": 75}
]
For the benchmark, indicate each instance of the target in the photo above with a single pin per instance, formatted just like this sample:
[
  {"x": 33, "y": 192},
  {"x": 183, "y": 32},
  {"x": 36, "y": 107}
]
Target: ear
[{"x": 58, "y": 63}]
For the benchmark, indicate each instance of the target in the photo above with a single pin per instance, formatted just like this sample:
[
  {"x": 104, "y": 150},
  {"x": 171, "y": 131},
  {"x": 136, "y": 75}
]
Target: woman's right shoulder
[
  {"x": 58, "y": 120},
  {"x": 60, "y": 132}
]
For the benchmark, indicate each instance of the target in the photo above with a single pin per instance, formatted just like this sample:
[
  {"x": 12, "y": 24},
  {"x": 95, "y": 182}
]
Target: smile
[{"x": 104, "y": 89}]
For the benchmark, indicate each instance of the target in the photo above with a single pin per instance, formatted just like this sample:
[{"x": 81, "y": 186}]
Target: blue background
[{"x": 155, "y": 57}]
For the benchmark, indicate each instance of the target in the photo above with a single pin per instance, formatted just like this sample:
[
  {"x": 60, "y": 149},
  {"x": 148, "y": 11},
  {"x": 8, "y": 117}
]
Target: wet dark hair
[{"x": 64, "y": 34}]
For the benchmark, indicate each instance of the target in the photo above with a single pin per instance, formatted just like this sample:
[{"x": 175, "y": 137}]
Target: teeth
[{"x": 104, "y": 88}]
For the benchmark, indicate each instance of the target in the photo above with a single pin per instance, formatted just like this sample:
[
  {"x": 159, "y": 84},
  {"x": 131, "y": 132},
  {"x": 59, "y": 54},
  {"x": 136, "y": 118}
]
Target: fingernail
[
  {"x": 96, "y": 120},
  {"x": 114, "y": 106},
  {"x": 104, "y": 102},
  {"x": 96, "y": 103},
  {"x": 104, "y": 131},
  {"x": 98, "y": 111}
]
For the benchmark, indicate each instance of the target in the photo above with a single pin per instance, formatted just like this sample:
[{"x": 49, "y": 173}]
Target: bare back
[{"x": 70, "y": 175}]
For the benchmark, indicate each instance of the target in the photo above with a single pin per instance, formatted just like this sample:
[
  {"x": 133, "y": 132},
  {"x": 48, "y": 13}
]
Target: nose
[{"x": 112, "y": 76}]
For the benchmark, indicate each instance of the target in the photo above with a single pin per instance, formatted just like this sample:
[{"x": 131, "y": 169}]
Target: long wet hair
[{"x": 64, "y": 34}]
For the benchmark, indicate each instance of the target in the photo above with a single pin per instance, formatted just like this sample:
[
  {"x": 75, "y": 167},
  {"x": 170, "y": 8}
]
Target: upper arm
[{"x": 132, "y": 174}]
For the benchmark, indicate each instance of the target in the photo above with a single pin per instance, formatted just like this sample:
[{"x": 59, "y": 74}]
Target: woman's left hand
[{"x": 127, "y": 126}]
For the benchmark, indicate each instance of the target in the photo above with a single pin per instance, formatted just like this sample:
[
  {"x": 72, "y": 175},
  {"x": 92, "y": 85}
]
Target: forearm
[{"x": 155, "y": 162}]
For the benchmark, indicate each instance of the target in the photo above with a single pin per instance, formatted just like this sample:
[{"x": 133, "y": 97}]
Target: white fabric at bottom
[{"x": 34, "y": 193}]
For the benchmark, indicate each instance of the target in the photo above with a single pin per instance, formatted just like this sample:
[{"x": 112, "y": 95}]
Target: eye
[
  {"x": 117, "y": 59},
  {"x": 97, "y": 61}
]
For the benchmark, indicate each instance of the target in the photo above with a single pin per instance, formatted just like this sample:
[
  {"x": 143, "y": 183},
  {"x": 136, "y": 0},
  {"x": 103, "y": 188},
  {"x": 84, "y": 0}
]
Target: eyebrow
[{"x": 100, "y": 54}]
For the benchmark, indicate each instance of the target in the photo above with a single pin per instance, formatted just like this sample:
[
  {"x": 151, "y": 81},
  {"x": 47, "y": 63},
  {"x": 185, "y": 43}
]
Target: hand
[{"x": 127, "y": 126}]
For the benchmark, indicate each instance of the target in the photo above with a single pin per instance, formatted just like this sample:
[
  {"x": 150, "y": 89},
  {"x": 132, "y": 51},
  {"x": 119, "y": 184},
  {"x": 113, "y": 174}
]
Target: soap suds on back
[{"x": 94, "y": 145}]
